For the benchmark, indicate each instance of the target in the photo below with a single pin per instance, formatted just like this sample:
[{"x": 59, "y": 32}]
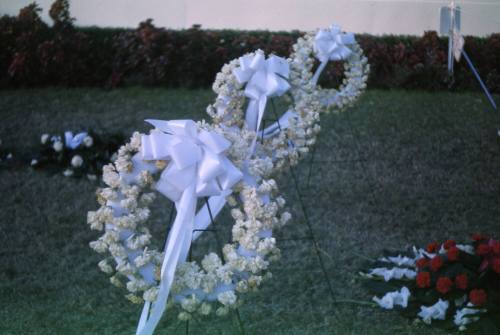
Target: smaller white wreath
[
  {"x": 133, "y": 262},
  {"x": 286, "y": 140},
  {"x": 332, "y": 44}
]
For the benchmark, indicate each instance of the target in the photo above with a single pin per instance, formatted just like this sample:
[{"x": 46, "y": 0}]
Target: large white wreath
[
  {"x": 185, "y": 161},
  {"x": 333, "y": 45},
  {"x": 259, "y": 79}
]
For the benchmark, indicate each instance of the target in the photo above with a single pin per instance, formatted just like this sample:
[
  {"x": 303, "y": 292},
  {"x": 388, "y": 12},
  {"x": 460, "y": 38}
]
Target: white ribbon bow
[
  {"x": 197, "y": 168},
  {"x": 331, "y": 44},
  {"x": 74, "y": 142},
  {"x": 265, "y": 78}
]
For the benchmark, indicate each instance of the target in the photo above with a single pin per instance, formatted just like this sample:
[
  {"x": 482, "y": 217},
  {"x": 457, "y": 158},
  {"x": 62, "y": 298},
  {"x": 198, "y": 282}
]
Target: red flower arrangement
[
  {"x": 423, "y": 279},
  {"x": 462, "y": 281},
  {"x": 448, "y": 244},
  {"x": 454, "y": 285},
  {"x": 452, "y": 254},
  {"x": 477, "y": 297},
  {"x": 444, "y": 285},
  {"x": 436, "y": 263}
]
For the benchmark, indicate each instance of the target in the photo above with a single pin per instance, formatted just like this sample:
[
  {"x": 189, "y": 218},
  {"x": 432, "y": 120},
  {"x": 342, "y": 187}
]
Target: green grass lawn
[{"x": 397, "y": 169}]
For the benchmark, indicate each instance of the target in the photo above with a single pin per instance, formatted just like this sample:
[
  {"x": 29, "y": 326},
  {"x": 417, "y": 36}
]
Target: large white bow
[
  {"x": 264, "y": 78},
  {"x": 197, "y": 168},
  {"x": 331, "y": 44}
]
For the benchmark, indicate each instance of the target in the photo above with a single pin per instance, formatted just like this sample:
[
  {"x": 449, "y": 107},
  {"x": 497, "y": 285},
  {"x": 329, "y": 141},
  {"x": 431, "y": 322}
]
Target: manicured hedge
[{"x": 33, "y": 53}]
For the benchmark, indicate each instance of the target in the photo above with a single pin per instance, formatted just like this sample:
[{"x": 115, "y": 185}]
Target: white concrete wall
[{"x": 480, "y": 17}]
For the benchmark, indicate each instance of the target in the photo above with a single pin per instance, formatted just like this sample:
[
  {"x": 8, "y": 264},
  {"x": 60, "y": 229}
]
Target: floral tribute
[
  {"x": 449, "y": 285},
  {"x": 201, "y": 167},
  {"x": 134, "y": 262},
  {"x": 298, "y": 125},
  {"x": 80, "y": 155},
  {"x": 324, "y": 46}
]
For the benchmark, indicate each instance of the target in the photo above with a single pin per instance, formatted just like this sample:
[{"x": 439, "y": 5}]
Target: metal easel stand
[
  {"x": 311, "y": 235},
  {"x": 476, "y": 74}
]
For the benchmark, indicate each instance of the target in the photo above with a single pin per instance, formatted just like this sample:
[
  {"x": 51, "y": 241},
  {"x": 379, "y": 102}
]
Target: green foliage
[
  {"x": 34, "y": 54},
  {"x": 59, "y": 13}
]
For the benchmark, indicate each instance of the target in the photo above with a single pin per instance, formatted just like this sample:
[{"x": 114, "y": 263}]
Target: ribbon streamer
[
  {"x": 329, "y": 45},
  {"x": 197, "y": 168},
  {"x": 264, "y": 78}
]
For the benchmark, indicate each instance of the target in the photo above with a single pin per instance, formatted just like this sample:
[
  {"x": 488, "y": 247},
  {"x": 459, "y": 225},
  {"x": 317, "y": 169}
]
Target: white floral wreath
[
  {"x": 257, "y": 78},
  {"x": 159, "y": 162},
  {"x": 329, "y": 45}
]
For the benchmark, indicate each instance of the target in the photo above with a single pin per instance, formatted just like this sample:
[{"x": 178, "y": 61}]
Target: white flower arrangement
[
  {"x": 78, "y": 155},
  {"x": 146, "y": 163},
  {"x": 133, "y": 262},
  {"x": 356, "y": 71}
]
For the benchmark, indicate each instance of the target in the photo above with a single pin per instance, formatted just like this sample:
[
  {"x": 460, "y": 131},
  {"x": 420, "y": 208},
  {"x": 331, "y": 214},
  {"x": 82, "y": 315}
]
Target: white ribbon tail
[
  {"x": 255, "y": 111},
  {"x": 176, "y": 249},
  {"x": 318, "y": 72}
]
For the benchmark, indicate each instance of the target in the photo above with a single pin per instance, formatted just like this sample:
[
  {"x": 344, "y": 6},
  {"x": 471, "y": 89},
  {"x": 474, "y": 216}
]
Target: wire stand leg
[{"x": 309, "y": 227}]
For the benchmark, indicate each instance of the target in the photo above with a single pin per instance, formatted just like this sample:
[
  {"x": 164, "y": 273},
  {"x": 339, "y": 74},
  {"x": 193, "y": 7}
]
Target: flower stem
[{"x": 356, "y": 302}]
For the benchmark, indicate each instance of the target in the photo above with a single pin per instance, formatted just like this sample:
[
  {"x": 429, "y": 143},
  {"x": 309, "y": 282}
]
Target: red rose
[
  {"x": 422, "y": 263},
  {"x": 477, "y": 297},
  {"x": 448, "y": 244},
  {"x": 461, "y": 281},
  {"x": 496, "y": 248},
  {"x": 423, "y": 279},
  {"x": 495, "y": 265},
  {"x": 453, "y": 253},
  {"x": 432, "y": 247},
  {"x": 444, "y": 285},
  {"x": 483, "y": 250},
  {"x": 436, "y": 263}
]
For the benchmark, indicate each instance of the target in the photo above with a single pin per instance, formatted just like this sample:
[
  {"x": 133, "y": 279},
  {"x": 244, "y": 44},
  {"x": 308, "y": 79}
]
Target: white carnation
[
  {"x": 88, "y": 141},
  {"x": 77, "y": 161},
  {"x": 58, "y": 146},
  {"x": 227, "y": 298},
  {"x": 44, "y": 139},
  {"x": 105, "y": 267}
]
